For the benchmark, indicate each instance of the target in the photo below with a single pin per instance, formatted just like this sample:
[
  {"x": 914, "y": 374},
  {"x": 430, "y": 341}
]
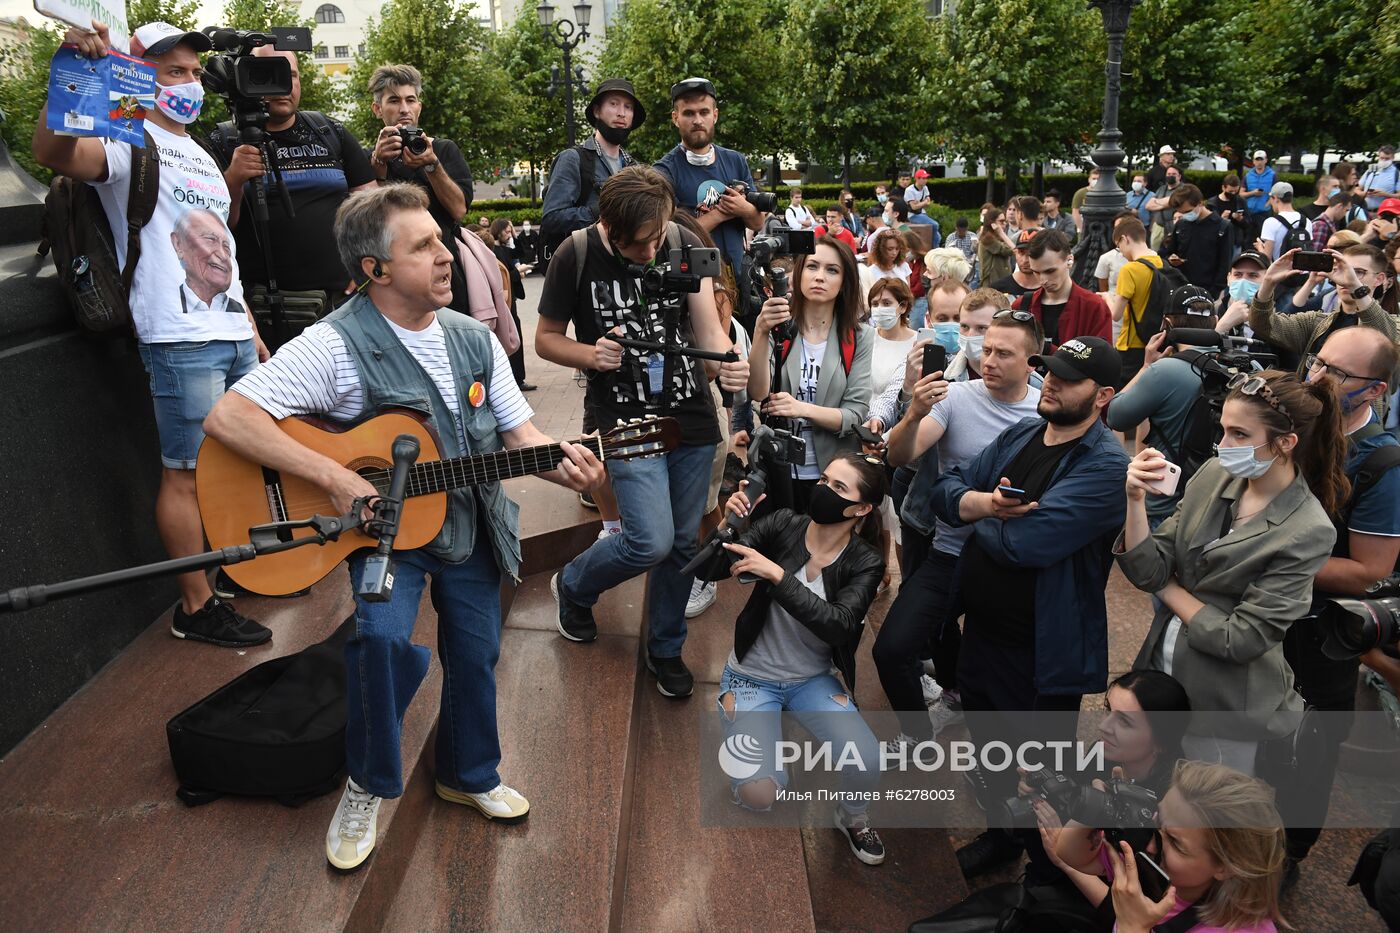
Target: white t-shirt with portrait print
[
  {"x": 190, "y": 180},
  {"x": 812, "y": 355}
]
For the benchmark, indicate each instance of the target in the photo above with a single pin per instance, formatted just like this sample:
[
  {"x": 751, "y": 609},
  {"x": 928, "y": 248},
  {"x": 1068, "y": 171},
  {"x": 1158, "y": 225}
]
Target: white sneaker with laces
[
  {"x": 932, "y": 690},
  {"x": 350, "y": 839},
  {"x": 608, "y": 533},
  {"x": 501, "y": 803},
  {"x": 891, "y": 747},
  {"x": 944, "y": 713},
  {"x": 702, "y": 597}
]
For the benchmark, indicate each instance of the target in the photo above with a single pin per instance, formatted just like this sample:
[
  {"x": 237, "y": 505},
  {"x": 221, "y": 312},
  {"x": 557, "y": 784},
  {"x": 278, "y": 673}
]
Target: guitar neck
[{"x": 436, "y": 476}]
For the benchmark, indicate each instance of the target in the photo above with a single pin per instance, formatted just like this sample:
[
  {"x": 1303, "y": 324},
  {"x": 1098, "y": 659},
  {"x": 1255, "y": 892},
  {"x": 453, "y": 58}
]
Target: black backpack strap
[
  {"x": 587, "y": 170},
  {"x": 326, "y": 128},
  {"x": 140, "y": 203},
  {"x": 580, "y": 238},
  {"x": 1377, "y": 463},
  {"x": 1151, "y": 283}
]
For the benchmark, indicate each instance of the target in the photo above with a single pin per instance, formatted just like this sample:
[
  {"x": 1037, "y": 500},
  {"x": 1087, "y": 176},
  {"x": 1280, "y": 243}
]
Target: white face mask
[
  {"x": 700, "y": 158},
  {"x": 1383, "y": 164},
  {"x": 971, "y": 347},
  {"x": 1240, "y": 462},
  {"x": 525, "y": 228},
  {"x": 1137, "y": 187},
  {"x": 884, "y": 317},
  {"x": 180, "y": 102}
]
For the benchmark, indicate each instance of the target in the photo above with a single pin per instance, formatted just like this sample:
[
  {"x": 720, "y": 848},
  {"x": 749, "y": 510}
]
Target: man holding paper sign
[{"x": 193, "y": 330}]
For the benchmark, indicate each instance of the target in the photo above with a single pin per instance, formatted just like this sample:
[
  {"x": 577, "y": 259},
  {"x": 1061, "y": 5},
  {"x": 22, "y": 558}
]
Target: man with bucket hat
[{"x": 571, "y": 202}]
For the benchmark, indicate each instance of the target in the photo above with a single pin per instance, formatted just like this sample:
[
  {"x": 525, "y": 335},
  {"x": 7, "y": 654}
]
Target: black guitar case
[{"x": 277, "y": 730}]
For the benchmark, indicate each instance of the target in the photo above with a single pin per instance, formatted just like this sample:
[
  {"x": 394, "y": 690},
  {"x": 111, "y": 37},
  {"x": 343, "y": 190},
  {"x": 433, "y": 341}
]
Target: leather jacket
[{"x": 850, "y": 582}]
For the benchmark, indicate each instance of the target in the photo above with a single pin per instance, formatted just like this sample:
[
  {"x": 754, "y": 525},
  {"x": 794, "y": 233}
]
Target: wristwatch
[
  {"x": 1361, "y": 293},
  {"x": 430, "y": 167}
]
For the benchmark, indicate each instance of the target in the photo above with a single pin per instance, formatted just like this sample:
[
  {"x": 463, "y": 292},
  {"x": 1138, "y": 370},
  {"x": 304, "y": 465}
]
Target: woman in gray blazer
[
  {"x": 1233, "y": 567},
  {"x": 823, "y": 360}
]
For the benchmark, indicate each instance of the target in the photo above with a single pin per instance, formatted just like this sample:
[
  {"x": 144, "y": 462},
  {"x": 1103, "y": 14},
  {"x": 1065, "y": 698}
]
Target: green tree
[
  {"x": 182, "y": 13},
  {"x": 526, "y": 55},
  {"x": 466, "y": 95},
  {"x": 1017, "y": 80},
  {"x": 851, "y": 87},
  {"x": 655, "y": 43}
]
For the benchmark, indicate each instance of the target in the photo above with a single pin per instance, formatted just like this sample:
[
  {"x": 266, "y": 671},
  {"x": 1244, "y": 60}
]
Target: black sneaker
[
  {"x": 988, "y": 851},
  {"x": 575, "y": 621},
  {"x": 672, "y": 676},
  {"x": 218, "y": 624},
  {"x": 225, "y": 587},
  {"x": 861, "y": 836},
  {"x": 585, "y": 499}
]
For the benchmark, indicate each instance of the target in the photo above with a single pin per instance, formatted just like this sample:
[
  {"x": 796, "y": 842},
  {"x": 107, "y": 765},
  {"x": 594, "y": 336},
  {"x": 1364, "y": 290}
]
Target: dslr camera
[
  {"x": 1355, "y": 626},
  {"x": 1124, "y": 811},
  {"x": 413, "y": 141}
]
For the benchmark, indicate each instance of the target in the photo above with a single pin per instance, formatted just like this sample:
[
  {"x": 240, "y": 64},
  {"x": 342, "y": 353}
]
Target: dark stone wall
[{"x": 79, "y": 468}]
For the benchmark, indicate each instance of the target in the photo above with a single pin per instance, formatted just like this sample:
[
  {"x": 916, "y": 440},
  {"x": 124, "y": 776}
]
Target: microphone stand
[{"x": 272, "y": 538}]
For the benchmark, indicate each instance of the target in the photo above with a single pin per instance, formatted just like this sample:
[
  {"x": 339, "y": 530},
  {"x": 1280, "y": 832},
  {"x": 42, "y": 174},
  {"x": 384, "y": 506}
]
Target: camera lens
[{"x": 1013, "y": 813}]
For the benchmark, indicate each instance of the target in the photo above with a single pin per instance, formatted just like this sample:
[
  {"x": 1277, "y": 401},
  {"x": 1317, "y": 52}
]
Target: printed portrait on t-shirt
[
  {"x": 204, "y": 250},
  {"x": 643, "y": 378}
]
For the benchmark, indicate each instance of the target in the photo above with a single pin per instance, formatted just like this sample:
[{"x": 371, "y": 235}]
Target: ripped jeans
[{"x": 823, "y": 707}]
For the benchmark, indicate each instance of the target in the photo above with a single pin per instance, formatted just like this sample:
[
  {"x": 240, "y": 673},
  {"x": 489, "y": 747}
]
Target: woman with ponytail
[
  {"x": 1233, "y": 566},
  {"x": 817, "y": 576}
]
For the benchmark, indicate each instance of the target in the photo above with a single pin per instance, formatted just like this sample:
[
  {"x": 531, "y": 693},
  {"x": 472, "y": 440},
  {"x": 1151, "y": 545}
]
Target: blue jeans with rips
[
  {"x": 384, "y": 670},
  {"x": 661, "y": 501}
]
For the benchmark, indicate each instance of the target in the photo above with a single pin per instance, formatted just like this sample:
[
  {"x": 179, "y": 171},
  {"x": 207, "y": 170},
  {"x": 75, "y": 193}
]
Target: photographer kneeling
[
  {"x": 1220, "y": 847},
  {"x": 818, "y": 574}
]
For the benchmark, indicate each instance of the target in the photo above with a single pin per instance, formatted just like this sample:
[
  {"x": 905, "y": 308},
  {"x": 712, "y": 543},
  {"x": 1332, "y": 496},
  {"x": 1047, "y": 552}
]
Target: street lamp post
[
  {"x": 1105, "y": 199},
  {"x": 566, "y": 36}
]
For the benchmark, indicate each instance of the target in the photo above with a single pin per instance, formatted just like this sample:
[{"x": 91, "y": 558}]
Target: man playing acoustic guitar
[{"x": 397, "y": 344}]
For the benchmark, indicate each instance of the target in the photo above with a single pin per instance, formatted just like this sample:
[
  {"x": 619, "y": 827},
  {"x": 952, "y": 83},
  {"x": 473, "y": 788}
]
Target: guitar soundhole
[{"x": 373, "y": 469}]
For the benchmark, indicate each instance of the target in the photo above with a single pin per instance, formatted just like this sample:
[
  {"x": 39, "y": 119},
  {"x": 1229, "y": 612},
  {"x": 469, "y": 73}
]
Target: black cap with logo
[{"x": 1084, "y": 358}]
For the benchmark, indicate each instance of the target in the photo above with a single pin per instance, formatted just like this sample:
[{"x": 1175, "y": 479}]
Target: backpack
[
  {"x": 277, "y": 730},
  {"x": 1296, "y": 236},
  {"x": 224, "y": 139},
  {"x": 554, "y": 229},
  {"x": 76, "y": 231},
  {"x": 1164, "y": 281},
  {"x": 1377, "y": 873}
]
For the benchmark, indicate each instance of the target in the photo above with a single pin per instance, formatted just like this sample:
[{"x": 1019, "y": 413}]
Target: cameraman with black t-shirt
[
  {"x": 320, "y": 164},
  {"x": 662, "y": 498},
  {"x": 439, "y": 169}
]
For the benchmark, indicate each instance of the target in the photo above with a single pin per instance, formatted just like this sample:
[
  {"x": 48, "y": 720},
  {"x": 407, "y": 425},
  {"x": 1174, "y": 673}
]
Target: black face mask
[
  {"x": 828, "y": 507},
  {"x": 616, "y": 136}
]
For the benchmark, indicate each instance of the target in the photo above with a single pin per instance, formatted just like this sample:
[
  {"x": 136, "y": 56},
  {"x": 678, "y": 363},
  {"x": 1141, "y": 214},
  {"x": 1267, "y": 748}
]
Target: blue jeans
[
  {"x": 758, "y": 708},
  {"x": 187, "y": 378},
  {"x": 661, "y": 501},
  {"x": 919, "y": 312},
  {"x": 384, "y": 669}
]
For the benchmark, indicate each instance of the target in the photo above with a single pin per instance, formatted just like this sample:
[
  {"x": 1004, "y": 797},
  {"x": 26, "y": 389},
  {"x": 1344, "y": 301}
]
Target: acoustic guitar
[{"x": 235, "y": 493}]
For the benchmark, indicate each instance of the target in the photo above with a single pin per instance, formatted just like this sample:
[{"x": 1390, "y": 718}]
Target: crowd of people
[{"x": 1004, "y": 480}]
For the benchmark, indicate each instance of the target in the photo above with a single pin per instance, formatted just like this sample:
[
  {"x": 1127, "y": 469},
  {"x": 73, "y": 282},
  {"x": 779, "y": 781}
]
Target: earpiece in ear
[{"x": 377, "y": 271}]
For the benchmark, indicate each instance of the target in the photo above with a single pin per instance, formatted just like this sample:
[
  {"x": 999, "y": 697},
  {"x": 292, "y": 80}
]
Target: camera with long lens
[
  {"x": 413, "y": 141},
  {"x": 765, "y": 202},
  {"x": 1353, "y": 627},
  {"x": 1124, "y": 811},
  {"x": 1051, "y": 786}
]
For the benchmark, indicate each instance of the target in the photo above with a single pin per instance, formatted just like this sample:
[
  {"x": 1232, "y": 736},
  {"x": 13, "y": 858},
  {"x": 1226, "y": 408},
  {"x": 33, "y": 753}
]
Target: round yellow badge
[{"x": 476, "y": 394}]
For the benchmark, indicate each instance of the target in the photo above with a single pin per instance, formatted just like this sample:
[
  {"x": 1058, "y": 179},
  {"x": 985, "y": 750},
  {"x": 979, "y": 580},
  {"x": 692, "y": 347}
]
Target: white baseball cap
[
  {"x": 155, "y": 39},
  {"x": 1166, "y": 149},
  {"x": 1260, "y": 154}
]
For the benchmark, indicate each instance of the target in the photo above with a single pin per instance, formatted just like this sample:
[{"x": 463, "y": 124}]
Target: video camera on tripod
[
  {"x": 757, "y": 277},
  {"x": 1215, "y": 369},
  {"x": 246, "y": 81},
  {"x": 768, "y": 447}
]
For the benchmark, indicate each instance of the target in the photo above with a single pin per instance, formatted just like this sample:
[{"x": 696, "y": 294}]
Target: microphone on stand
[{"x": 377, "y": 583}]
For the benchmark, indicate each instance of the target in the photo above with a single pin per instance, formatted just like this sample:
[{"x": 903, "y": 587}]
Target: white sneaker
[
  {"x": 702, "y": 597},
  {"x": 350, "y": 839},
  {"x": 932, "y": 690},
  {"x": 608, "y": 533},
  {"x": 944, "y": 713},
  {"x": 501, "y": 803},
  {"x": 891, "y": 747}
]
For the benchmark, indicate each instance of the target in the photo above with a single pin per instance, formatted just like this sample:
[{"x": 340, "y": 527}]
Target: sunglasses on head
[{"x": 1253, "y": 385}]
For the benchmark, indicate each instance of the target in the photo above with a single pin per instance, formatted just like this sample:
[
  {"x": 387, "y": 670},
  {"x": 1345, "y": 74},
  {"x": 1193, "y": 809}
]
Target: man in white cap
[
  {"x": 1157, "y": 175},
  {"x": 1257, "y": 183},
  {"x": 1284, "y": 221},
  {"x": 192, "y": 350}
]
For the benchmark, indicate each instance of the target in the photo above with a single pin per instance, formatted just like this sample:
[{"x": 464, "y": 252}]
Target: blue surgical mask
[
  {"x": 1243, "y": 290},
  {"x": 882, "y": 198},
  {"x": 1240, "y": 462},
  {"x": 945, "y": 333},
  {"x": 1190, "y": 216}
]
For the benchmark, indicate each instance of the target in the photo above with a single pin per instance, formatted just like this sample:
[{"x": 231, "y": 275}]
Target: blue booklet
[{"x": 100, "y": 97}]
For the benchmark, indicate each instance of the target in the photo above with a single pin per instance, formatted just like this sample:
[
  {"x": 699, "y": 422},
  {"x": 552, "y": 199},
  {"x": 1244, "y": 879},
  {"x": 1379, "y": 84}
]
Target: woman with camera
[
  {"x": 817, "y": 576},
  {"x": 1147, "y": 712},
  {"x": 821, "y": 353},
  {"x": 1233, "y": 566},
  {"x": 1220, "y": 850},
  {"x": 994, "y": 248}
]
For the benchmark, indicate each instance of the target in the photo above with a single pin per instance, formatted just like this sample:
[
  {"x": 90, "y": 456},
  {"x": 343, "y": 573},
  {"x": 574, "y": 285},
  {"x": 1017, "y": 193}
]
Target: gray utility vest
[{"x": 392, "y": 378}]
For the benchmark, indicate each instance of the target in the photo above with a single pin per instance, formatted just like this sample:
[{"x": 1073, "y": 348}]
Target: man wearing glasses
[{"x": 1359, "y": 361}]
